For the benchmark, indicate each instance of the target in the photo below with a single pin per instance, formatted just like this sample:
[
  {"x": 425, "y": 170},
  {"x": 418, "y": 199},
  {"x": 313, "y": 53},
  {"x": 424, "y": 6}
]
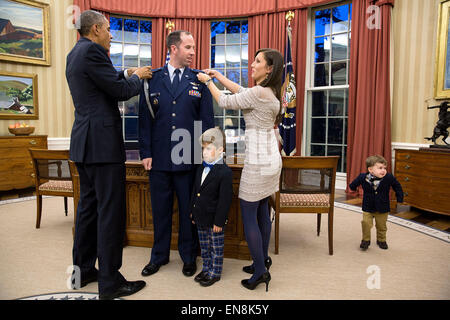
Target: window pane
[
  {"x": 318, "y": 130},
  {"x": 336, "y": 103},
  {"x": 116, "y": 28},
  {"x": 242, "y": 124},
  {"x": 131, "y": 28},
  {"x": 231, "y": 123},
  {"x": 244, "y": 78},
  {"x": 319, "y": 102},
  {"x": 131, "y": 129},
  {"x": 317, "y": 150},
  {"x": 218, "y": 122},
  {"x": 321, "y": 75},
  {"x": 322, "y": 20},
  {"x": 340, "y": 45},
  {"x": 244, "y": 30},
  {"x": 131, "y": 53},
  {"x": 335, "y": 151},
  {"x": 338, "y": 73},
  {"x": 322, "y": 49},
  {"x": 116, "y": 54},
  {"x": 146, "y": 32},
  {"x": 132, "y": 107},
  {"x": 218, "y": 32},
  {"x": 145, "y": 56},
  {"x": 233, "y": 56},
  {"x": 233, "y": 32},
  {"x": 234, "y": 75},
  {"x": 218, "y": 57},
  {"x": 345, "y": 130},
  {"x": 218, "y": 111},
  {"x": 244, "y": 55},
  {"x": 340, "y": 18},
  {"x": 335, "y": 130}
]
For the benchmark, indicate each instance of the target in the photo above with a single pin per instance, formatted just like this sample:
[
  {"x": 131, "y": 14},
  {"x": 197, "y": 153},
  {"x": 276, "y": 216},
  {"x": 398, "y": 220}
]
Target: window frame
[
  {"x": 310, "y": 82},
  {"x": 121, "y": 104},
  {"x": 239, "y": 117}
]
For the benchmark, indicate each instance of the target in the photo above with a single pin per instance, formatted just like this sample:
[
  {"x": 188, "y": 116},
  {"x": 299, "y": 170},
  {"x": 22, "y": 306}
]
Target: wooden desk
[
  {"x": 16, "y": 167},
  {"x": 139, "y": 230}
]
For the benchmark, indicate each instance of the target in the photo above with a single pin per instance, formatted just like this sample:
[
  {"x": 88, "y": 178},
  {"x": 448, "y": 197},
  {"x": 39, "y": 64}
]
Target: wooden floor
[{"x": 437, "y": 221}]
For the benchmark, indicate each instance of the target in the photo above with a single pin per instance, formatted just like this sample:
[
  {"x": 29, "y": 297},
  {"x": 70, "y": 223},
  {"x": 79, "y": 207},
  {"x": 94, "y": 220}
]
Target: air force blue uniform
[{"x": 171, "y": 110}]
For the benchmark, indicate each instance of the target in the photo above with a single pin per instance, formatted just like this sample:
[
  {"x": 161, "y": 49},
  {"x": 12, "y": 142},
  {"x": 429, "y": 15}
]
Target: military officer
[{"x": 172, "y": 105}]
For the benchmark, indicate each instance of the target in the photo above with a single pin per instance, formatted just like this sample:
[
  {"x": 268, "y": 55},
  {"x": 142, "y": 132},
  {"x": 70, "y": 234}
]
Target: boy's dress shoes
[
  {"x": 126, "y": 289},
  {"x": 382, "y": 244},
  {"x": 209, "y": 281},
  {"x": 202, "y": 275}
]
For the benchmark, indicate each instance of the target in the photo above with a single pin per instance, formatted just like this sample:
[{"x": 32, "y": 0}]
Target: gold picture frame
[
  {"x": 19, "y": 96},
  {"x": 25, "y": 32},
  {"x": 442, "y": 68}
]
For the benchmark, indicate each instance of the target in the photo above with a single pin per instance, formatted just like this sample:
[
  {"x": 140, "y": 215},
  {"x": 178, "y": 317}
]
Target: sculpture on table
[{"x": 442, "y": 124}]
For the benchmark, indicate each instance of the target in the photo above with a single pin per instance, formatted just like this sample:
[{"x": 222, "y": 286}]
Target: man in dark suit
[
  {"x": 173, "y": 105},
  {"x": 97, "y": 148}
]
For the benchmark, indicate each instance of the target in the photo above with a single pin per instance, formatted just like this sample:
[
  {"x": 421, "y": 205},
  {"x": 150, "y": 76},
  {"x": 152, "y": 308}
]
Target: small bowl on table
[{"x": 21, "y": 131}]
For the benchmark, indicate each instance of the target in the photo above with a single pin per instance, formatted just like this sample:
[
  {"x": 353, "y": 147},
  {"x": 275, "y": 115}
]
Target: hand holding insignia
[{"x": 144, "y": 72}]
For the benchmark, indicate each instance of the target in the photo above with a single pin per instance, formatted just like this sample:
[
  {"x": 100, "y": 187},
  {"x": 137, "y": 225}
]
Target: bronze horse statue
[{"x": 442, "y": 124}]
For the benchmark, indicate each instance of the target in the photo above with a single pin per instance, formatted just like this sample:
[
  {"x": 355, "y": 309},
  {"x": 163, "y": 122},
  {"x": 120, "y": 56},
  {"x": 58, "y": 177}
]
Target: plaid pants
[{"x": 211, "y": 245}]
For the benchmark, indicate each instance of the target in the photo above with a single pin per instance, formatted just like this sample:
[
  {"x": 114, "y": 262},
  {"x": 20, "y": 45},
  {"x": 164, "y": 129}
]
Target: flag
[
  {"x": 287, "y": 126},
  {"x": 168, "y": 56}
]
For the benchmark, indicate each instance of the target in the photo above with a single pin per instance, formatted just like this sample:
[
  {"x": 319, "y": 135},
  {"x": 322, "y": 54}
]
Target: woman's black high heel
[
  {"x": 251, "y": 269},
  {"x": 265, "y": 277}
]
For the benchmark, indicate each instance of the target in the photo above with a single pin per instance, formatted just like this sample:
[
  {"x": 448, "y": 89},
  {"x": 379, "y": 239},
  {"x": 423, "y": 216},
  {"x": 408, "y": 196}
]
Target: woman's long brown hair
[{"x": 274, "y": 79}]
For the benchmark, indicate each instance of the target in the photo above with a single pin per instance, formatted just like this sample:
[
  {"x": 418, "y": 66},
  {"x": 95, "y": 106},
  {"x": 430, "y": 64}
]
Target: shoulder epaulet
[
  {"x": 196, "y": 70},
  {"x": 157, "y": 69}
]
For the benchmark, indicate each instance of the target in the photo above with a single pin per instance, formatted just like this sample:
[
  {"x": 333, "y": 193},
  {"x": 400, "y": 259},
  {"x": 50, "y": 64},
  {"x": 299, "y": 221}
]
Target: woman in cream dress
[{"x": 260, "y": 106}]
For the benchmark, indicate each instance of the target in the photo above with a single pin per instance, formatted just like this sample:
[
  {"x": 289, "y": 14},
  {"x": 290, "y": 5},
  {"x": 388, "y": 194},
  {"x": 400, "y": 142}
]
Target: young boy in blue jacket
[{"x": 376, "y": 184}]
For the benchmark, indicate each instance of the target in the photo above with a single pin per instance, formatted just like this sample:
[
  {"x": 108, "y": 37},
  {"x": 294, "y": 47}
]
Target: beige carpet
[{"x": 416, "y": 266}]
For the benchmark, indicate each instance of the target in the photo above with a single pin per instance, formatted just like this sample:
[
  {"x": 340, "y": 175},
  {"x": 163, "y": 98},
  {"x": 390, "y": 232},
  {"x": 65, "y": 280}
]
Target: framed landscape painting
[
  {"x": 442, "y": 71},
  {"x": 24, "y": 32},
  {"x": 18, "y": 96}
]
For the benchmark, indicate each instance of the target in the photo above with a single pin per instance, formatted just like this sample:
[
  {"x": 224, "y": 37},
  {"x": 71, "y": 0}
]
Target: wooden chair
[
  {"x": 306, "y": 186},
  {"x": 52, "y": 176},
  {"x": 76, "y": 191}
]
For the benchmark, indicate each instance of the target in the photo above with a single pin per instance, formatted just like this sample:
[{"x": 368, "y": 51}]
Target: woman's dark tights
[{"x": 257, "y": 228}]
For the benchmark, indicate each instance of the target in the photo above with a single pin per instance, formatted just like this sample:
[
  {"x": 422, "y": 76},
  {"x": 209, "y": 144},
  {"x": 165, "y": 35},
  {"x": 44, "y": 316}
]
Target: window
[
  {"x": 131, "y": 46},
  {"x": 229, "y": 56},
  {"x": 327, "y": 112}
]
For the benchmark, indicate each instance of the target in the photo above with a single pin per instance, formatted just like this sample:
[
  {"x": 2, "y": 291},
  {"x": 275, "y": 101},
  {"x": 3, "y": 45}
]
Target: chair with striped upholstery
[
  {"x": 52, "y": 176},
  {"x": 306, "y": 186}
]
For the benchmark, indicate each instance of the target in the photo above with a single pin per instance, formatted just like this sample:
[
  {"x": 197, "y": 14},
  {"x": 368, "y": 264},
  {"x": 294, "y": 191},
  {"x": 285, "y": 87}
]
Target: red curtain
[
  {"x": 201, "y": 9},
  {"x": 369, "y": 107},
  {"x": 269, "y": 31}
]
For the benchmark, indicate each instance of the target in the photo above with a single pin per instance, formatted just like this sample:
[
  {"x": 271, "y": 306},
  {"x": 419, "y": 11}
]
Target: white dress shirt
[
  {"x": 206, "y": 170},
  {"x": 172, "y": 72}
]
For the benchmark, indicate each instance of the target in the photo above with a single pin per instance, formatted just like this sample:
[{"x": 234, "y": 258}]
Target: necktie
[{"x": 176, "y": 81}]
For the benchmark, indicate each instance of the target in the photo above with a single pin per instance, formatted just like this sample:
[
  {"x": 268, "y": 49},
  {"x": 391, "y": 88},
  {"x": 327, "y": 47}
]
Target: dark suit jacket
[
  {"x": 173, "y": 110},
  {"x": 96, "y": 88},
  {"x": 377, "y": 200},
  {"x": 211, "y": 201}
]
